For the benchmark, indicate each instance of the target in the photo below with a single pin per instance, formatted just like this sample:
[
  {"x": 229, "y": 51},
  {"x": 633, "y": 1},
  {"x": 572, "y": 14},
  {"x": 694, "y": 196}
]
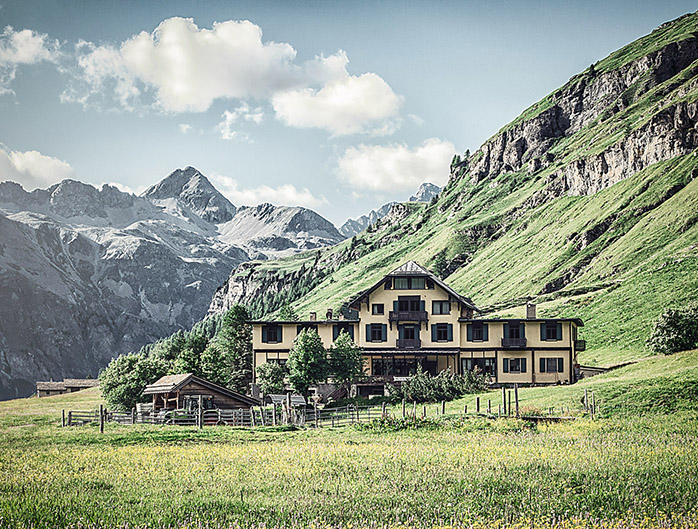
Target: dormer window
[{"x": 409, "y": 283}]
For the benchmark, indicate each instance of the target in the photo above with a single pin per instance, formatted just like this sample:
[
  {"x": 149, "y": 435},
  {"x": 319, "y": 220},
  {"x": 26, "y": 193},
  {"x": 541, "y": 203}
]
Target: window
[
  {"x": 271, "y": 334},
  {"x": 514, "y": 365},
  {"x": 410, "y": 283},
  {"x": 394, "y": 366},
  {"x": 442, "y": 332},
  {"x": 407, "y": 332},
  {"x": 376, "y": 332},
  {"x": 552, "y": 365},
  {"x": 337, "y": 329},
  {"x": 440, "y": 307},
  {"x": 377, "y": 308},
  {"x": 478, "y": 332},
  {"x": 280, "y": 361},
  {"x": 551, "y": 331},
  {"x": 302, "y": 326},
  {"x": 488, "y": 366}
]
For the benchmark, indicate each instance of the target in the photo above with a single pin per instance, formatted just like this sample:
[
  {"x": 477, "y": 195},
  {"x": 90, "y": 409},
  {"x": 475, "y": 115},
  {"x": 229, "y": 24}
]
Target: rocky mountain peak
[
  {"x": 195, "y": 191},
  {"x": 425, "y": 193}
]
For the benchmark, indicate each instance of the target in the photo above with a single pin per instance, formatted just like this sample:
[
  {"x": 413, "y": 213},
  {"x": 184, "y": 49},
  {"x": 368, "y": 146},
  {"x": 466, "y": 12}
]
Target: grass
[{"x": 633, "y": 468}]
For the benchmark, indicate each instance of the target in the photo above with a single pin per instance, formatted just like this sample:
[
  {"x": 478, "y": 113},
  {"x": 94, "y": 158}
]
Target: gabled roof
[
  {"x": 50, "y": 386},
  {"x": 296, "y": 400},
  {"x": 410, "y": 268},
  {"x": 170, "y": 383},
  {"x": 81, "y": 382}
]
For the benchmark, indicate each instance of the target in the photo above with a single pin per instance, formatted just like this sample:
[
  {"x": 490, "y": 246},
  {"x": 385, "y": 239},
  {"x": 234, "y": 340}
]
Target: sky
[{"x": 335, "y": 106}]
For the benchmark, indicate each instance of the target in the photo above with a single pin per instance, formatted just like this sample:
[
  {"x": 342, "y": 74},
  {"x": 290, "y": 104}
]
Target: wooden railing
[
  {"x": 513, "y": 343},
  {"x": 407, "y": 315}
]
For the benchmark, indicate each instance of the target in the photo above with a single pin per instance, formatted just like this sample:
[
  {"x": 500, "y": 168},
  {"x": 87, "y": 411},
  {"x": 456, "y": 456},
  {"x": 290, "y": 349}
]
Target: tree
[
  {"x": 189, "y": 359},
  {"x": 122, "y": 382},
  {"x": 286, "y": 313},
  {"x": 307, "y": 361},
  {"x": 235, "y": 339},
  {"x": 440, "y": 265},
  {"x": 346, "y": 362},
  {"x": 270, "y": 377},
  {"x": 675, "y": 330},
  {"x": 214, "y": 364}
]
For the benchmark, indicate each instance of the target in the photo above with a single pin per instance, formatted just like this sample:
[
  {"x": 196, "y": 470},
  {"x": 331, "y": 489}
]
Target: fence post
[
  {"x": 504, "y": 400},
  {"x": 499, "y": 411},
  {"x": 200, "y": 412},
  {"x": 252, "y": 419},
  {"x": 133, "y": 415},
  {"x": 316, "y": 418},
  {"x": 70, "y": 418},
  {"x": 424, "y": 411},
  {"x": 477, "y": 405},
  {"x": 465, "y": 409},
  {"x": 404, "y": 404},
  {"x": 62, "y": 418},
  {"x": 489, "y": 407},
  {"x": 414, "y": 409},
  {"x": 383, "y": 412},
  {"x": 516, "y": 399},
  {"x": 586, "y": 400},
  {"x": 101, "y": 418},
  {"x": 443, "y": 407},
  {"x": 509, "y": 404}
]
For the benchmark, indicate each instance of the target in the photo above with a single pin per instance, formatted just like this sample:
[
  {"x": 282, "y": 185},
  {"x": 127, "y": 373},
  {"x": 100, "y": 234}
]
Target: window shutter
[
  {"x": 506, "y": 330},
  {"x": 351, "y": 332},
  {"x": 433, "y": 332},
  {"x": 421, "y": 306},
  {"x": 368, "y": 332},
  {"x": 559, "y": 331},
  {"x": 450, "y": 332},
  {"x": 396, "y": 306},
  {"x": 485, "y": 333},
  {"x": 265, "y": 338},
  {"x": 542, "y": 332},
  {"x": 401, "y": 332},
  {"x": 505, "y": 365},
  {"x": 335, "y": 332},
  {"x": 542, "y": 365},
  {"x": 469, "y": 331},
  {"x": 279, "y": 333},
  {"x": 384, "y": 332},
  {"x": 388, "y": 284},
  {"x": 522, "y": 327},
  {"x": 523, "y": 365},
  {"x": 560, "y": 365}
]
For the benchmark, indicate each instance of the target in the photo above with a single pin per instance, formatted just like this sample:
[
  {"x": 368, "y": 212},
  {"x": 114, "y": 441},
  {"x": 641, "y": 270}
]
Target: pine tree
[
  {"x": 346, "y": 362},
  {"x": 235, "y": 339},
  {"x": 214, "y": 364},
  {"x": 286, "y": 313},
  {"x": 270, "y": 377},
  {"x": 307, "y": 361}
]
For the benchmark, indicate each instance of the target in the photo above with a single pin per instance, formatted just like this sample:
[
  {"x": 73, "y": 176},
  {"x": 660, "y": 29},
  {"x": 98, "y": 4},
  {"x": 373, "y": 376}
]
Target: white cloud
[
  {"x": 227, "y": 127},
  {"x": 185, "y": 128},
  {"x": 186, "y": 68},
  {"x": 23, "y": 47},
  {"x": 284, "y": 195},
  {"x": 396, "y": 167},
  {"x": 350, "y": 105},
  {"x": 32, "y": 169}
]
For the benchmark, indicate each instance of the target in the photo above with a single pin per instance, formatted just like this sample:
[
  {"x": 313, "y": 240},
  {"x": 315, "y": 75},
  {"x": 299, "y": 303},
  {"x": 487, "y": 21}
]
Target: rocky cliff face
[
  {"x": 623, "y": 96},
  {"x": 87, "y": 274},
  {"x": 425, "y": 193}
]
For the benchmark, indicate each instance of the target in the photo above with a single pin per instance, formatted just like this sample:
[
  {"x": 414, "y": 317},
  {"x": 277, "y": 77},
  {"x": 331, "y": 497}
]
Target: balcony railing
[
  {"x": 513, "y": 343},
  {"x": 580, "y": 345},
  {"x": 411, "y": 343},
  {"x": 407, "y": 315}
]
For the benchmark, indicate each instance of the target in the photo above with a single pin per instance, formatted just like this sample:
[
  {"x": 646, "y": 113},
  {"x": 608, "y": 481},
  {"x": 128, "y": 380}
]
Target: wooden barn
[{"x": 183, "y": 391}]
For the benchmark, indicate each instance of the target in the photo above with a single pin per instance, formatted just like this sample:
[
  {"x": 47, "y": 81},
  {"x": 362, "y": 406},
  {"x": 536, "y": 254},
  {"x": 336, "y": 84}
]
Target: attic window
[{"x": 409, "y": 283}]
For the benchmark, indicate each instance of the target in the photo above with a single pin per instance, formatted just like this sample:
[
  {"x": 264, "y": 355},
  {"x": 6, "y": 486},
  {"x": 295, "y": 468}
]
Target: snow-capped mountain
[{"x": 87, "y": 274}]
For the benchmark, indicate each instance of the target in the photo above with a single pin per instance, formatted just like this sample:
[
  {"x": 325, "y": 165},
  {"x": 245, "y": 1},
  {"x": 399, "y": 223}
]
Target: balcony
[
  {"x": 411, "y": 343},
  {"x": 580, "y": 345},
  {"x": 407, "y": 315},
  {"x": 513, "y": 343}
]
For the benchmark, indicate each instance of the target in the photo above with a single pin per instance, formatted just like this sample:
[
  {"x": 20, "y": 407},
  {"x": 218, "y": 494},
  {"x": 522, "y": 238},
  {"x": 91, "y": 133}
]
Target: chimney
[
  {"x": 313, "y": 316},
  {"x": 341, "y": 316},
  {"x": 328, "y": 316},
  {"x": 530, "y": 311}
]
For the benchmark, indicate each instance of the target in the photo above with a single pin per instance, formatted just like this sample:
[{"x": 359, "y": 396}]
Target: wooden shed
[{"x": 182, "y": 391}]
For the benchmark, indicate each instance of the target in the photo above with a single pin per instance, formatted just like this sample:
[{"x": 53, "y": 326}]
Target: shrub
[
  {"x": 423, "y": 387},
  {"x": 270, "y": 377},
  {"x": 675, "y": 330}
]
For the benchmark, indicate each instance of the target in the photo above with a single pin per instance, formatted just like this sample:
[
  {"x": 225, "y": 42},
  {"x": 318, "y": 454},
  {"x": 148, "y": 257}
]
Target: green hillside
[{"x": 616, "y": 258}]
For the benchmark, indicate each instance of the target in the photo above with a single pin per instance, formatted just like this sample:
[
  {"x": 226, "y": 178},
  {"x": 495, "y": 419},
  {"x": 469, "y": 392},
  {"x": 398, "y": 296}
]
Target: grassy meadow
[{"x": 632, "y": 468}]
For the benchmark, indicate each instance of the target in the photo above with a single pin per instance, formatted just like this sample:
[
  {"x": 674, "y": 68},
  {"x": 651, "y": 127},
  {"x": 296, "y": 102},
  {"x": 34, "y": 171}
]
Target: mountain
[
  {"x": 587, "y": 204},
  {"x": 87, "y": 274},
  {"x": 353, "y": 227},
  {"x": 425, "y": 193}
]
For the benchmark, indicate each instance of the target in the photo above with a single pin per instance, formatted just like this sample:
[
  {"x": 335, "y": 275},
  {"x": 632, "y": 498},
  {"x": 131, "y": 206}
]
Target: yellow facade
[{"x": 418, "y": 320}]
